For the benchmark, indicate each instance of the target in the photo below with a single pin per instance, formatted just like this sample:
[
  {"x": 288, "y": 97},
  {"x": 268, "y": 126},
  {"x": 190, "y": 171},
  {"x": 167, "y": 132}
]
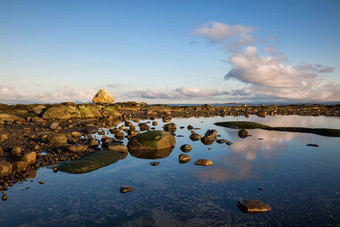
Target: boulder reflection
[{"x": 155, "y": 154}]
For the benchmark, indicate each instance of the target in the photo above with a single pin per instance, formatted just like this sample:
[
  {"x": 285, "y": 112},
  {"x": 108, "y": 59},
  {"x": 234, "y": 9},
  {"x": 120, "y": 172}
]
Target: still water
[{"x": 300, "y": 183}]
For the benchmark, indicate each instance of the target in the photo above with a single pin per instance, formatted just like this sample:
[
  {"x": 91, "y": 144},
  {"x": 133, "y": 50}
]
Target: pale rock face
[{"x": 103, "y": 96}]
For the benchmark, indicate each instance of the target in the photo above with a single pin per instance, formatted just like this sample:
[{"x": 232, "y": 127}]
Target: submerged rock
[
  {"x": 151, "y": 154},
  {"x": 92, "y": 162},
  {"x": 118, "y": 147},
  {"x": 203, "y": 162},
  {"x": 253, "y": 206},
  {"x": 125, "y": 189},
  {"x": 103, "y": 96}
]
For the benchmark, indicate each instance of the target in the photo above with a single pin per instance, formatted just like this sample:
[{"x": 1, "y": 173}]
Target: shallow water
[{"x": 299, "y": 182}]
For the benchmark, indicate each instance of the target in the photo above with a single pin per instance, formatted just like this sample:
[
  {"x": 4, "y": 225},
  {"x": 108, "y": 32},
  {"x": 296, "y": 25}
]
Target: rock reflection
[{"x": 155, "y": 154}]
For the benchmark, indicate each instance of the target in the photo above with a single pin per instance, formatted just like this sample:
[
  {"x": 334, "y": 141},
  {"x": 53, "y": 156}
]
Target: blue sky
[{"x": 170, "y": 51}]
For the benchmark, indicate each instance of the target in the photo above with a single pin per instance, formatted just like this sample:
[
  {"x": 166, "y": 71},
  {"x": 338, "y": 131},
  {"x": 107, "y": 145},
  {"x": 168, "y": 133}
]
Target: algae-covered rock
[
  {"x": 10, "y": 117},
  {"x": 151, "y": 154},
  {"x": 62, "y": 112},
  {"x": 89, "y": 111},
  {"x": 92, "y": 162},
  {"x": 103, "y": 96},
  {"x": 152, "y": 140},
  {"x": 110, "y": 112}
]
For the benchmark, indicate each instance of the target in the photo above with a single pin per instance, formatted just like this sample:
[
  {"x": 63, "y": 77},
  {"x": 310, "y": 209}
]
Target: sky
[{"x": 167, "y": 52}]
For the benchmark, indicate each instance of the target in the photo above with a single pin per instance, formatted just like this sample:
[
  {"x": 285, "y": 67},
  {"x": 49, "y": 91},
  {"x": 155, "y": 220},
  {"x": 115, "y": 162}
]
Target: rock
[
  {"x": 54, "y": 125},
  {"x": 103, "y": 96},
  {"x": 253, "y": 206},
  {"x": 92, "y": 142},
  {"x": 126, "y": 189},
  {"x": 221, "y": 141},
  {"x": 154, "y": 123},
  {"x": 16, "y": 151},
  {"x": 120, "y": 148},
  {"x": 210, "y": 137},
  {"x": 133, "y": 133},
  {"x": 195, "y": 137},
  {"x": 92, "y": 162},
  {"x": 312, "y": 145},
  {"x": 62, "y": 112},
  {"x": 20, "y": 165},
  {"x": 41, "y": 182},
  {"x": 3, "y": 137},
  {"x": 243, "y": 133},
  {"x": 29, "y": 157},
  {"x": 190, "y": 127},
  {"x": 119, "y": 134},
  {"x": 155, "y": 163},
  {"x": 10, "y": 118},
  {"x": 57, "y": 139},
  {"x": 38, "y": 110},
  {"x": 110, "y": 112},
  {"x": 203, "y": 162},
  {"x": 166, "y": 119},
  {"x": 76, "y": 148},
  {"x": 229, "y": 143},
  {"x": 76, "y": 134},
  {"x": 186, "y": 148},
  {"x": 5, "y": 168},
  {"x": 151, "y": 154},
  {"x": 114, "y": 130},
  {"x": 143, "y": 126},
  {"x": 152, "y": 140},
  {"x": 262, "y": 113},
  {"x": 183, "y": 158},
  {"x": 89, "y": 110},
  {"x": 171, "y": 127},
  {"x": 37, "y": 120}
]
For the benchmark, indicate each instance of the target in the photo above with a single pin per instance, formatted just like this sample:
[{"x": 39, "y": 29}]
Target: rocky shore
[{"x": 38, "y": 135}]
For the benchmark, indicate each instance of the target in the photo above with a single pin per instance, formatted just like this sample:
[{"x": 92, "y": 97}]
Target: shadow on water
[{"x": 253, "y": 125}]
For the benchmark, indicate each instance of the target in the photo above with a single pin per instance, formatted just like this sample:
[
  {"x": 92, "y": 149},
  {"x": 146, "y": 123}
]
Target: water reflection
[{"x": 155, "y": 154}]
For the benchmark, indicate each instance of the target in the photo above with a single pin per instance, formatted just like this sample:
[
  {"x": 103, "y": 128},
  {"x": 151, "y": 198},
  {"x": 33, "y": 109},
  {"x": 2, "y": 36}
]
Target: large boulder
[
  {"x": 89, "y": 110},
  {"x": 152, "y": 140},
  {"x": 103, "y": 96},
  {"x": 109, "y": 112},
  {"x": 10, "y": 117},
  {"x": 62, "y": 112}
]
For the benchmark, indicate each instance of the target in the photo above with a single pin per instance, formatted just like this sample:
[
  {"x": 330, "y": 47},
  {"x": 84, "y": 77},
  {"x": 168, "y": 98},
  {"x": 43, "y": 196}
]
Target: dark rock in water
[
  {"x": 243, "y": 133},
  {"x": 210, "y": 137},
  {"x": 229, "y": 143},
  {"x": 183, "y": 158},
  {"x": 154, "y": 123},
  {"x": 195, "y": 137},
  {"x": 166, "y": 118},
  {"x": 180, "y": 136},
  {"x": 55, "y": 169},
  {"x": 260, "y": 138},
  {"x": 221, "y": 141},
  {"x": 92, "y": 162},
  {"x": 260, "y": 188},
  {"x": 171, "y": 127},
  {"x": 41, "y": 182},
  {"x": 155, "y": 163},
  {"x": 203, "y": 162},
  {"x": 4, "y": 197},
  {"x": 253, "y": 206},
  {"x": 143, "y": 126},
  {"x": 125, "y": 189},
  {"x": 312, "y": 145},
  {"x": 190, "y": 127},
  {"x": 152, "y": 140},
  {"x": 186, "y": 148}
]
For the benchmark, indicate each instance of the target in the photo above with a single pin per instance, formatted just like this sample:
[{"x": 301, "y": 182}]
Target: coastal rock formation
[
  {"x": 253, "y": 206},
  {"x": 103, "y": 96}
]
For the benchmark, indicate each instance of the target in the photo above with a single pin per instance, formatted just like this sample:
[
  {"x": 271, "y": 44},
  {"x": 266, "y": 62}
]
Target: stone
[
  {"x": 261, "y": 113},
  {"x": 62, "y": 112},
  {"x": 16, "y": 151},
  {"x": 253, "y": 206},
  {"x": 41, "y": 182},
  {"x": 76, "y": 148},
  {"x": 103, "y": 96},
  {"x": 243, "y": 133},
  {"x": 10, "y": 118},
  {"x": 20, "y": 165},
  {"x": 190, "y": 127},
  {"x": 120, "y": 148},
  {"x": 312, "y": 145},
  {"x": 155, "y": 163},
  {"x": 92, "y": 142},
  {"x": 221, "y": 141},
  {"x": 195, "y": 137},
  {"x": 171, "y": 127},
  {"x": 125, "y": 189},
  {"x": 4, "y": 197},
  {"x": 143, "y": 126},
  {"x": 183, "y": 158},
  {"x": 5, "y": 168},
  {"x": 210, "y": 135},
  {"x": 29, "y": 157},
  {"x": 229, "y": 143},
  {"x": 54, "y": 125},
  {"x": 38, "y": 120},
  {"x": 203, "y": 162},
  {"x": 110, "y": 112},
  {"x": 132, "y": 133},
  {"x": 76, "y": 134},
  {"x": 186, "y": 148},
  {"x": 3, "y": 137},
  {"x": 152, "y": 140},
  {"x": 89, "y": 110},
  {"x": 154, "y": 123},
  {"x": 57, "y": 139}
]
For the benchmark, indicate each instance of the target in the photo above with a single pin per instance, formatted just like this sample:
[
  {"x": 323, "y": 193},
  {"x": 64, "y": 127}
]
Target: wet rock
[
  {"x": 114, "y": 130},
  {"x": 29, "y": 157},
  {"x": 10, "y": 118},
  {"x": 312, "y": 145},
  {"x": 132, "y": 133},
  {"x": 119, "y": 134},
  {"x": 190, "y": 127},
  {"x": 16, "y": 151},
  {"x": 121, "y": 148},
  {"x": 110, "y": 112},
  {"x": 166, "y": 119},
  {"x": 186, "y": 148},
  {"x": 4, "y": 197},
  {"x": 221, "y": 141},
  {"x": 243, "y": 133},
  {"x": 92, "y": 142},
  {"x": 5, "y": 168},
  {"x": 41, "y": 182},
  {"x": 171, "y": 127},
  {"x": 89, "y": 110},
  {"x": 253, "y": 206},
  {"x": 20, "y": 165},
  {"x": 54, "y": 125},
  {"x": 152, "y": 140},
  {"x": 261, "y": 113},
  {"x": 195, "y": 137},
  {"x": 203, "y": 162},
  {"x": 125, "y": 189},
  {"x": 57, "y": 139},
  {"x": 55, "y": 169},
  {"x": 155, "y": 163},
  {"x": 154, "y": 123},
  {"x": 183, "y": 158},
  {"x": 143, "y": 126},
  {"x": 229, "y": 143},
  {"x": 75, "y": 134},
  {"x": 76, "y": 148},
  {"x": 103, "y": 96},
  {"x": 62, "y": 112}
]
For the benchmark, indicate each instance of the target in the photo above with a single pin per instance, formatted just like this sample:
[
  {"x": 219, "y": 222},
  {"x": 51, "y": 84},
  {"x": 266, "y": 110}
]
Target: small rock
[
  {"x": 190, "y": 127},
  {"x": 16, "y": 151},
  {"x": 242, "y": 133},
  {"x": 154, "y": 123},
  {"x": 203, "y": 162},
  {"x": 195, "y": 137},
  {"x": 4, "y": 197},
  {"x": 55, "y": 169},
  {"x": 117, "y": 147},
  {"x": 76, "y": 148},
  {"x": 312, "y": 145},
  {"x": 155, "y": 163},
  {"x": 126, "y": 189},
  {"x": 229, "y": 143},
  {"x": 41, "y": 182},
  {"x": 186, "y": 148},
  {"x": 29, "y": 157},
  {"x": 54, "y": 125},
  {"x": 253, "y": 206},
  {"x": 183, "y": 158},
  {"x": 221, "y": 141}
]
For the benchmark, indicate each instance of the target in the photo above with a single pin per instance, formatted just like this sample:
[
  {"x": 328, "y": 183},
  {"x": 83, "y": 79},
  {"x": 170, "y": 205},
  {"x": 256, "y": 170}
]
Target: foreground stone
[
  {"x": 186, "y": 148},
  {"x": 103, "y": 96},
  {"x": 203, "y": 162},
  {"x": 253, "y": 206},
  {"x": 183, "y": 158},
  {"x": 152, "y": 140}
]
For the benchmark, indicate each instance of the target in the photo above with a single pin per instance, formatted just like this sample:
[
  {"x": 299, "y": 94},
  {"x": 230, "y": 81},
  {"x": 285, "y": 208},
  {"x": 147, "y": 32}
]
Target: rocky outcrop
[{"x": 103, "y": 96}]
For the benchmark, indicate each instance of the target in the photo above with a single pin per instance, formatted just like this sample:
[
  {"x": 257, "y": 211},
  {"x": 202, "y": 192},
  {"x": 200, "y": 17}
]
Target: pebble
[
  {"x": 155, "y": 163},
  {"x": 41, "y": 182},
  {"x": 203, "y": 162},
  {"x": 125, "y": 189},
  {"x": 4, "y": 197}
]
